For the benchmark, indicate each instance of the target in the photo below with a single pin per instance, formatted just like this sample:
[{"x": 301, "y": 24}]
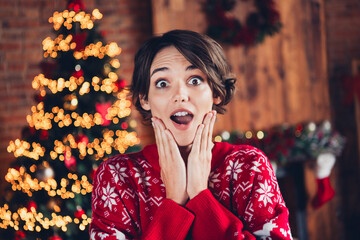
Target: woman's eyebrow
[
  {"x": 190, "y": 67},
  {"x": 158, "y": 70}
]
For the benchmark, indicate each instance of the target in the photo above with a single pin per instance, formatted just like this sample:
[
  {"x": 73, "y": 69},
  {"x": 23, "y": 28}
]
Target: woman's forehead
[{"x": 166, "y": 57}]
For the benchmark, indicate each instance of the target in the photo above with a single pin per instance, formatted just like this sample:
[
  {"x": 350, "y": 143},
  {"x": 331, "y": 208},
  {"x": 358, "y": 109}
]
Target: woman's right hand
[{"x": 173, "y": 170}]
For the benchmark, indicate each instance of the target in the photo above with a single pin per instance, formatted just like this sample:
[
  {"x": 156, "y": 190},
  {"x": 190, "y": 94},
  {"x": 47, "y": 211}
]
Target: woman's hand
[
  {"x": 199, "y": 161},
  {"x": 173, "y": 170}
]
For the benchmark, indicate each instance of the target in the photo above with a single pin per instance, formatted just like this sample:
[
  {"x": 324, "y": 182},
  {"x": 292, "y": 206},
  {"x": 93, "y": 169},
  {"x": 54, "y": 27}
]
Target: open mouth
[{"x": 182, "y": 117}]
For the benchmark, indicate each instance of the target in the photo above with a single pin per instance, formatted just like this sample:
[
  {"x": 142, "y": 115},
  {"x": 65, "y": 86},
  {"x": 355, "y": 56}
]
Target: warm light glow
[
  {"x": 67, "y": 17},
  {"x": 23, "y": 148},
  {"x": 34, "y": 221},
  {"x": 260, "y": 134},
  {"x": 20, "y": 180},
  {"x": 248, "y": 134},
  {"x": 218, "y": 139},
  {"x": 98, "y": 50}
]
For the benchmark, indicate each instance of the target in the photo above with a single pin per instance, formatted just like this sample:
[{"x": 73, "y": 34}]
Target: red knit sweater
[{"x": 242, "y": 201}]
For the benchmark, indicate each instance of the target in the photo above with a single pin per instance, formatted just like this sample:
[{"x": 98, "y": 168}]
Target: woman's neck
[{"x": 185, "y": 151}]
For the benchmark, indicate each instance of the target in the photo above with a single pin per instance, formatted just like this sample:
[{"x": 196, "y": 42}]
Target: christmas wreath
[{"x": 227, "y": 29}]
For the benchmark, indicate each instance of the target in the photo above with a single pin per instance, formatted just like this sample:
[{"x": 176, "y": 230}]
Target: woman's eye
[
  {"x": 195, "y": 81},
  {"x": 161, "y": 83}
]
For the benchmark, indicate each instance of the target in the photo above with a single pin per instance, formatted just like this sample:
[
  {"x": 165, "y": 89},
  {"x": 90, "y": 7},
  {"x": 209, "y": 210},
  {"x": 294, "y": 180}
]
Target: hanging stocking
[{"x": 324, "y": 163}]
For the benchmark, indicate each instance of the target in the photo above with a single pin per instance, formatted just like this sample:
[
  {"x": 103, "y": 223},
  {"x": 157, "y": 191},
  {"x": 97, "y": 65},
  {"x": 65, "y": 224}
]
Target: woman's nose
[{"x": 181, "y": 94}]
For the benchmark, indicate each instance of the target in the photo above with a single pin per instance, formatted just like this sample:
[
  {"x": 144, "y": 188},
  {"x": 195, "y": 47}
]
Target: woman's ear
[
  {"x": 144, "y": 103},
  {"x": 217, "y": 100}
]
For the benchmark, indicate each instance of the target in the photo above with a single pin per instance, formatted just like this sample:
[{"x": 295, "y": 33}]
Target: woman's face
[{"x": 179, "y": 94}]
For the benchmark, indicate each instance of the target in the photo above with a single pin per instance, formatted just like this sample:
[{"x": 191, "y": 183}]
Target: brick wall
[
  {"x": 23, "y": 26},
  {"x": 343, "y": 45}
]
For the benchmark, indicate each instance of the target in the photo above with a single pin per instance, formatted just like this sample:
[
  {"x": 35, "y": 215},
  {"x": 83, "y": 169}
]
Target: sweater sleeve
[
  {"x": 116, "y": 215},
  {"x": 213, "y": 220},
  {"x": 257, "y": 208}
]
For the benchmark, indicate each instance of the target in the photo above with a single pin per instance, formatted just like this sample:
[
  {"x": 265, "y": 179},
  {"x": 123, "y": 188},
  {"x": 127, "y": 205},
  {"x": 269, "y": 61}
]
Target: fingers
[
  {"x": 161, "y": 139},
  {"x": 197, "y": 140},
  {"x": 158, "y": 138},
  {"x": 211, "y": 128},
  {"x": 165, "y": 140},
  {"x": 208, "y": 122},
  {"x": 205, "y": 133}
]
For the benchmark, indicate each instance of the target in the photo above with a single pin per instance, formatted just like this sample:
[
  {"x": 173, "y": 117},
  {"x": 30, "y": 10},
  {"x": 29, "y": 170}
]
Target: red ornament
[
  {"x": 124, "y": 125},
  {"x": 44, "y": 135},
  {"x": 120, "y": 84},
  {"x": 78, "y": 74},
  {"x": 81, "y": 138},
  {"x": 79, "y": 39},
  {"x": 77, "y": 5},
  {"x": 79, "y": 212},
  {"x": 31, "y": 205},
  {"x": 102, "y": 108},
  {"x": 19, "y": 235},
  {"x": 70, "y": 161},
  {"x": 55, "y": 238}
]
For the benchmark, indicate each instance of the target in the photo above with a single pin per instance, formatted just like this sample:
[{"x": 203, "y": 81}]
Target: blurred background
[{"x": 297, "y": 65}]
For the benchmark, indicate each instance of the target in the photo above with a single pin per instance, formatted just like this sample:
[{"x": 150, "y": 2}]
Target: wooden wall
[{"x": 283, "y": 80}]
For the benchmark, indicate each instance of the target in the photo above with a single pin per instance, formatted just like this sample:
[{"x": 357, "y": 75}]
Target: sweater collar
[{"x": 219, "y": 152}]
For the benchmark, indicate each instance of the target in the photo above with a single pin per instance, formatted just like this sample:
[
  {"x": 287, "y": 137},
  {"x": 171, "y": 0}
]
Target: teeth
[{"x": 181, "y": 114}]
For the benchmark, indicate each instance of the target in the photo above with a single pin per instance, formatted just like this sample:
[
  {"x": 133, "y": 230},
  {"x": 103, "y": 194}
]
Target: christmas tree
[{"x": 79, "y": 120}]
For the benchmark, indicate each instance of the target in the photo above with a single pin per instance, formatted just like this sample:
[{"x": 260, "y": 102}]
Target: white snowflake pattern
[
  {"x": 213, "y": 179},
  {"x": 236, "y": 166},
  {"x": 109, "y": 196},
  {"x": 142, "y": 178},
  {"x": 256, "y": 166},
  {"x": 118, "y": 172},
  {"x": 265, "y": 193}
]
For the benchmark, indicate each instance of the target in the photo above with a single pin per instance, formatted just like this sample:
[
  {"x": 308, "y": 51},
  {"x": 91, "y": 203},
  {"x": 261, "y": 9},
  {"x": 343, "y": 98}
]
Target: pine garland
[{"x": 228, "y": 29}]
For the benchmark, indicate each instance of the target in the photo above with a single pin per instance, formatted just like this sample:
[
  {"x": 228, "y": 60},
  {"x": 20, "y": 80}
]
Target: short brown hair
[{"x": 200, "y": 50}]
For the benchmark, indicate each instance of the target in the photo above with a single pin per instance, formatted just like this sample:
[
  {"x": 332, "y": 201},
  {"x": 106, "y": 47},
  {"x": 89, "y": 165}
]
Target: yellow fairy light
[
  {"x": 115, "y": 63},
  {"x": 218, "y": 139},
  {"x": 22, "y": 181},
  {"x": 133, "y": 123},
  {"x": 260, "y": 134},
  {"x": 23, "y": 148},
  {"x": 113, "y": 49},
  {"x": 96, "y": 14},
  {"x": 248, "y": 134}
]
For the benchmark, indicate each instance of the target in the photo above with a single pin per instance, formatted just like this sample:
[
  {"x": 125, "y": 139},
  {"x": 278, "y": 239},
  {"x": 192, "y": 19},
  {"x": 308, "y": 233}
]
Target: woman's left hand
[{"x": 199, "y": 160}]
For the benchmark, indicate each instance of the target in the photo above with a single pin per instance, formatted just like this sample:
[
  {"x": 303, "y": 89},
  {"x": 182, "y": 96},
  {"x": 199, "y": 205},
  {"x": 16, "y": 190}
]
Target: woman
[{"x": 185, "y": 186}]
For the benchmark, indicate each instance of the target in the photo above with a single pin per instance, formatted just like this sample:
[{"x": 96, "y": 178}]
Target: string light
[
  {"x": 248, "y": 134},
  {"x": 22, "y": 181},
  {"x": 260, "y": 134},
  {"x": 120, "y": 141},
  {"x": 98, "y": 50},
  {"x": 23, "y": 148},
  {"x": 67, "y": 17},
  {"x": 51, "y": 47},
  {"x": 106, "y": 85},
  {"x": 34, "y": 220},
  {"x": 41, "y": 120}
]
